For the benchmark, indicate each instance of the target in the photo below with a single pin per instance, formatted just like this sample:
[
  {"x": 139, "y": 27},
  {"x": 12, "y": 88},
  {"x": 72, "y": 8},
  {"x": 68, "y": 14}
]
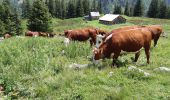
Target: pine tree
[
  {"x": 63, "y": 10},
  {"x": 26, "y": 8},
  {"x": 99, "y": 6},
  {"x": 138, "y": 9},
  {"x": 86, "y": 7},
  {"x": 117, "y": 9},
  {"x": 71, "y": 9},
  {"x": 57, "y": 8},
  {"x": 40, "y": 18},
  {"x": 2, "y": 28},
  {"x": 17, "y": 24},
  {"x": 94, "y": 6},
  {"x": 127, "y": 12},
  {"x": 51, "y": 7},
  {"x": 79, "y": 9},
  {"x": 168, "y": 13},
  {"x": 163, "y": 9},
  {"x": 153, "y": 9},
  {"x": 2, "y": 25}
]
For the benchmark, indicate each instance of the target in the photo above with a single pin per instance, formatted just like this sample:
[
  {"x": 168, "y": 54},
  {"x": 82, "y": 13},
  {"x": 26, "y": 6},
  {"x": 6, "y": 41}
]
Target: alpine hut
[{"x": 111, "y": 19}]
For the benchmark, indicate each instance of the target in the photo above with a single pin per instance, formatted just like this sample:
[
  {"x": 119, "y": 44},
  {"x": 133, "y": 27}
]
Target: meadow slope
[{"x": 36, "y": 68}]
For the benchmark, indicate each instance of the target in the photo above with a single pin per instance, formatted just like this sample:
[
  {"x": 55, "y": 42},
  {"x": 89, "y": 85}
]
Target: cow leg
[
  {"x": 91, "y": 42},
  {"x": 115, "y": 57},
  {"x": 137, "y": 56},
  {"x": 147, "y": 52}
]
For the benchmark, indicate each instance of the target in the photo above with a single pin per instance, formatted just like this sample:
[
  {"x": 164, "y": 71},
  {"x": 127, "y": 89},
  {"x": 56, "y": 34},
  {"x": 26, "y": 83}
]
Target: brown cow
[
  {"x": 6, "y": 36},
  {"x": 84, "y": 34},
  {"x": 31, "y": 34},
  {"x": 121, "y": 29},
  {"x": 152, "y": 28},
  {"x": 129, "y": 41}
]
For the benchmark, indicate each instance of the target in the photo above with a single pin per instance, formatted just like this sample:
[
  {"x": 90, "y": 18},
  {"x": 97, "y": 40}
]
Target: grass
[{"x": 36, "y": 68}]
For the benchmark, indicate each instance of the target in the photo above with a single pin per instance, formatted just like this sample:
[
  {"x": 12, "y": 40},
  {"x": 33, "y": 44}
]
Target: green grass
[{"x": 35, "y": 68}]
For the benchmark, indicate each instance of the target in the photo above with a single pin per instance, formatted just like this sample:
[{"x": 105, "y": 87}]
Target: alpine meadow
[{"x": 48, "y": 49}]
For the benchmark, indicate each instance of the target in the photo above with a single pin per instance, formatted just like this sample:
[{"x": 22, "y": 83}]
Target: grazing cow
[
  {"x": 31, "y": 34},
  {"x": 129, "y": 40},
  {"x": 6, "y": 36},
  {"x": 83, "y": 34},
  {"x": 121, "y": 29},
  {"x": 152, "y": 28},
  {"x": 156, "y": 32},
  {"x": 43, "y": 34}
]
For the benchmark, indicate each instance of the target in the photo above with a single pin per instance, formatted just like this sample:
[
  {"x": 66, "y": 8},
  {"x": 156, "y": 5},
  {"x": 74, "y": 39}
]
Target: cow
[
  {"x": 129, "y": 40},
  {"x": 121, "y": 29},
  {"x": 152, "y": 28},
  {"x": 32, "y": 34},
  {"x": 6, "y": 36},
  {"x": 84, "y": 34}
]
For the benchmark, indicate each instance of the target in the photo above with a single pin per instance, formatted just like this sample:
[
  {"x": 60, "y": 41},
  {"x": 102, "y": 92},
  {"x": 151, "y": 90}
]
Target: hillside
[
  {"x": 107, "y": 5},
  {"x": 37, "y": 68}
]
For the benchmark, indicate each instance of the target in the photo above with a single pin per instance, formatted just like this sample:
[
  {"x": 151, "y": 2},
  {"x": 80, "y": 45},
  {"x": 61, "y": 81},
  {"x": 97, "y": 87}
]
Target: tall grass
[{"x": 37, "y": 68}]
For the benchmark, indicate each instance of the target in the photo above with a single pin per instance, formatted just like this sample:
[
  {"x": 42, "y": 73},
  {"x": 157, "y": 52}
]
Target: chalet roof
[
  {"x": 109, "y": 17},
  {"x": 94, "y": 14}
]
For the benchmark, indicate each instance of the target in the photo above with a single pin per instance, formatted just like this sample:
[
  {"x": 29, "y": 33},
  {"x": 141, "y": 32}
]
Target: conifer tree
[
  {"x": 57, "y": 8},
  {"x": 153, "y": 9},
  {"x": 2, "y": 25},
  {"x": 117, "y": 9},
  {"x": 99, "y": 6},
  {"x": 168, "y": 13},
  {"x": 94, "y": 6},
  {"x": 127, "y": 12},
  {"x": 79, "y": 9},
  {"x": 17, "y": 24},
  {"x": 40, "y": 18},
  {"x": 138, "y": 9},
  {"x": 162, "y": 9},
  {"x": 63, "y": 9},
  {"x": 26, "y": 8},
  {"x": 51, "y": 7},
  {"x": 86, "y": 7},
  {"x": 71, "y": 9}
]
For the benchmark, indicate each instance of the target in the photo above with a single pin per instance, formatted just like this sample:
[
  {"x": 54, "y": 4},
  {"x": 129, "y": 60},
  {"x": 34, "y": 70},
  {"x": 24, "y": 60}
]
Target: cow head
[
  {"x": 66, "y": 33},
  {"x": 101, "y": 32},
  {"x": 156, "y": 32},
  {"x": 97, "y": 54}
]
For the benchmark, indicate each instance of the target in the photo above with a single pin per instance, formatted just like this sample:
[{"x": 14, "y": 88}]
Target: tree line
[
  {"x": 65, "y": 8},
  {"x": 157, "y": 9},
  {"x": 40, "y": 13},
  {"x": 9, "y": 19}
]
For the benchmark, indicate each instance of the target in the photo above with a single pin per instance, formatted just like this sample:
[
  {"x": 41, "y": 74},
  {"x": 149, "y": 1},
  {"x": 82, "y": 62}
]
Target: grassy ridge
[{"x": 36, "y": 68}]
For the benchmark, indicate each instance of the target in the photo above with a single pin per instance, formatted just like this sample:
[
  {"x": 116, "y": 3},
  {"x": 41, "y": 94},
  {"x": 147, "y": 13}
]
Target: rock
[
  {"x": 139, "y": 70},
  {"x": 110, "y": 74},
  {"x": 132, "y": 67},
  {"x": 78, "y": 66},
  {"x": 162, "y": 69}
]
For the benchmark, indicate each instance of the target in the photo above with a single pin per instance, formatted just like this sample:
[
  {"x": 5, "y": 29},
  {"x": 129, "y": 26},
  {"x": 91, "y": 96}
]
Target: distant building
[
  {"x": 111, "y": 19},
  {"x": 92, "y": 16}
]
